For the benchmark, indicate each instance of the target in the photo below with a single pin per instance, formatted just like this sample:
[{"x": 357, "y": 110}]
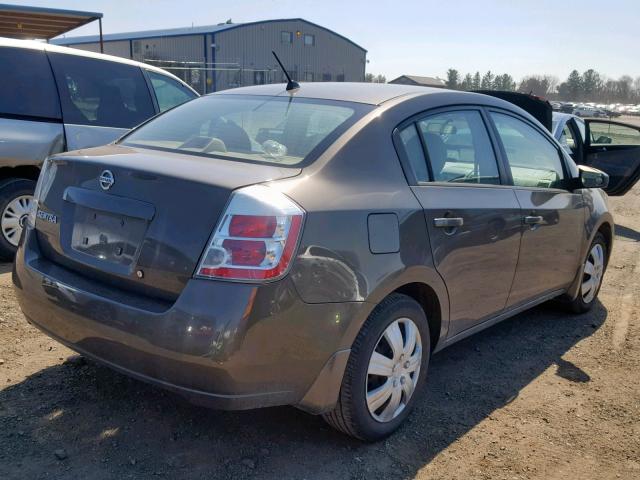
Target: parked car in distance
[
  {"x": 255, "y": 248},
  {"x": 56, "y": 99},
  {"x": 586, "y": 111}
]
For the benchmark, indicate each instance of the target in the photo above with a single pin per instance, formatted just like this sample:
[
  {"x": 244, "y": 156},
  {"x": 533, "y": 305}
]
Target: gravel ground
[{"x": 544, "y": 395}]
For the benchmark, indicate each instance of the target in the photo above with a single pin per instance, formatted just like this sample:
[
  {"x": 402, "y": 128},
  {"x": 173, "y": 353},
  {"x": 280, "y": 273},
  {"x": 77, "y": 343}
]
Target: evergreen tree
[{"x": 453, "y": 78}]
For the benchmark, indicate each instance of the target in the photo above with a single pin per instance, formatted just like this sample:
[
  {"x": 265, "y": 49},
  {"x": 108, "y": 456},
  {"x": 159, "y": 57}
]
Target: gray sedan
[{"x": 259, "y": 247}]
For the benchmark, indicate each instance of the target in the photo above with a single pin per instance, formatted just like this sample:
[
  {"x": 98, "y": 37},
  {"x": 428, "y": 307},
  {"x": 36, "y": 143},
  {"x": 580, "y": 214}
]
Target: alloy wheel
[
  {"x": 13, "y": 218},
  {"x": 593, "y": 271},
  {"x": 393, "y": 370}
]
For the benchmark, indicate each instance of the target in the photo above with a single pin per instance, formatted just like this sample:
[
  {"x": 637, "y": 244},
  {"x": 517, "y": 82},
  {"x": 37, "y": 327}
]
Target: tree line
[{"x": 589, "y": 86}]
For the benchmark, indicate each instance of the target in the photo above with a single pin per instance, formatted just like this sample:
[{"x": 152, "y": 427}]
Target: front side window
[
  {"x": 169, "y": 92},
  {"x": 605, "y": 133},
  {"x": 459, "y": 149},
  {"x": 275, "y": 130},
  {"x": 309, "y": 40},
  {"x": 533, "y": 159},
  {"x": 101, "y": 93},
  {"x": 27, "y": 84},
  {"x": 567, "y": 141},
  {"x": 581, "y": 128}
]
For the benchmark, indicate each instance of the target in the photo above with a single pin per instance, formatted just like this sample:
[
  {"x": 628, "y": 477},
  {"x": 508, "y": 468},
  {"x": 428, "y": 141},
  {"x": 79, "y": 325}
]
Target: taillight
[
  {"x": 256, "y": 237},
  {"x": 47, "y": 174}
]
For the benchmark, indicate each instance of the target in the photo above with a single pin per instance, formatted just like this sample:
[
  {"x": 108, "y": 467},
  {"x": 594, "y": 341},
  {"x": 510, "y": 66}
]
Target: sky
[{"x": 422, "y": 37}]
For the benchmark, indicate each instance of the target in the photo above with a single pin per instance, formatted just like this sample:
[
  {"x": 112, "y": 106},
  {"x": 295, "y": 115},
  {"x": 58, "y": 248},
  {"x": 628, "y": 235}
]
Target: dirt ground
[{"x": 544, "y": 395}]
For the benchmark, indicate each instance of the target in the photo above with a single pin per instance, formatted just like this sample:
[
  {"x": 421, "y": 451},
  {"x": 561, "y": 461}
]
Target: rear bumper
[{"x": 221, "y": 344}]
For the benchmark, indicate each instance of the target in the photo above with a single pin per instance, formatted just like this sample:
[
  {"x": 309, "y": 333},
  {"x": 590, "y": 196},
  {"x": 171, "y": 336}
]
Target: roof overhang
[{"x": 23, "y": 22}]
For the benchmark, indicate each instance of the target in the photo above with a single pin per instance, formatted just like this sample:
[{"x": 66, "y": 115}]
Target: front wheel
[
  {"x": 593, "y": 270},
  {"x": 385, "y": 372},
  {"x": 16, "y": 198}
]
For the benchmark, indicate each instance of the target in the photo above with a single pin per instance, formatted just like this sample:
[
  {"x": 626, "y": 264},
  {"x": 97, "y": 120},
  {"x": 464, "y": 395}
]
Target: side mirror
[{"x": 590, "y": 177}]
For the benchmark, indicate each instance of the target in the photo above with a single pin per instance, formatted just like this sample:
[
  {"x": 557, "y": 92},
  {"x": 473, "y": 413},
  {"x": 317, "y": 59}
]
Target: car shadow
[
  {"x": 106, "y": 425},
  {"x": 627, "y": 233}
]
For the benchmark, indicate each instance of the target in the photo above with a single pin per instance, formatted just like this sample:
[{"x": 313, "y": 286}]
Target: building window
[
  {"x": 258, "y": 78},
  {"x": 340, "y": 77},
  {"x": 326, "y": 77},
  {"x": 286, "y": 37},
  {"x": 309, "y": 40},
  {"x": 308, "y": 76}
]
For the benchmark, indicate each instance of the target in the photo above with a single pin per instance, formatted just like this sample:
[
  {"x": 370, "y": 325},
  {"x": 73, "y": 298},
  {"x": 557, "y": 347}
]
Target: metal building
[{"x": 229, "y": 55}]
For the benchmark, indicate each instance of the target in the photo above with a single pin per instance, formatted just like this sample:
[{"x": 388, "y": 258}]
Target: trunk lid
[
  {"x": 537, "y": 107},
  {"x": 145, "y": 228}
]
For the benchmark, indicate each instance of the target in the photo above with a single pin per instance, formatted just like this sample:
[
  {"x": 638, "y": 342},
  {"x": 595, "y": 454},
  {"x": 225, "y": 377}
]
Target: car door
[
  {"x": 552, "y": 215},
  {"x": 101, "y": 100},
  {"x": 30, "y": 118},
  {"x": 473, "y": 219},
  {"x": 614, "y": 148}
]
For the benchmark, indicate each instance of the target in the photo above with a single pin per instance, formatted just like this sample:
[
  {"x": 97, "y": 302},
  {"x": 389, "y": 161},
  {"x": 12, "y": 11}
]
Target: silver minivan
[{"x": 56, "y": 99}]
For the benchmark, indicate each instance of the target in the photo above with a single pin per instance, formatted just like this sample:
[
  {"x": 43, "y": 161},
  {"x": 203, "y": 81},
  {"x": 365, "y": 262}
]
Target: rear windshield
[{"x": 276, "y": 130}]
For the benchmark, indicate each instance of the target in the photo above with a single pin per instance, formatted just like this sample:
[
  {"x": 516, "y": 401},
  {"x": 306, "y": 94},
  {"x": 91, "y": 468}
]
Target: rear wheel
[
  {"x": 16, "y": 198},
  {"x": 594, "y": 267},
  {"x": 386, "y": 370}
]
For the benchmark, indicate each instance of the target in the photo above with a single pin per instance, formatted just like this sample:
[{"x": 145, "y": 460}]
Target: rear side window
[
  {"x": 27, "y": 84},
  {"x": 169, "y": 92},
  {"x": 534, "y": 160},
  {"x": 101, "y": 93},
  {"x": 415, "y": 154},
  {"x": 458, "y": 148}
]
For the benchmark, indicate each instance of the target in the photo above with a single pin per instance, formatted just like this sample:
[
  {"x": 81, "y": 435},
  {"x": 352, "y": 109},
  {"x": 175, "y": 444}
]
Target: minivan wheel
[
  {"x": 16, "y": 198},
  {"x": 386, "y": 370},
  {"x": 594, "y": 267}
]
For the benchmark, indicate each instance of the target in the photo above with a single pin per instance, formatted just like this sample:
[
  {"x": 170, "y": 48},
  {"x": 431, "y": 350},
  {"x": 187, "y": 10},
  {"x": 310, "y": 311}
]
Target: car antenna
[{"x": 292, "y": 86}]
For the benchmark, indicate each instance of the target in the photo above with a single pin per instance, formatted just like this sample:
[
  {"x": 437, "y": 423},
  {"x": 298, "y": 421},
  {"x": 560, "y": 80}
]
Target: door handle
[
  {"x": 533, "y": 219},
  {"x": 448, "y": 222}
]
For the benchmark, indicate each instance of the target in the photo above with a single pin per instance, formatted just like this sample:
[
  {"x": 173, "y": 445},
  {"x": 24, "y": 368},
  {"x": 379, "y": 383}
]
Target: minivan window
[
  {"x": 277, "y": 130},
  {"x": 534, "y": 160},
  {"x": 101, "y": 93},
  {"x": 27, "y": 84},
  {"x": 169, "y": 92},
  {"x": 459, "y": 148}
]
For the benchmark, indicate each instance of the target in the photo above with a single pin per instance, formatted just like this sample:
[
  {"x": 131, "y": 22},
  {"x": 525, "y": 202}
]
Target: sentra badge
[{"x": 49, "y": 217}]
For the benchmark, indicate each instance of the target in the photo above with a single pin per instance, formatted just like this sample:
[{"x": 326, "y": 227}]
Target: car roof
[
  {"x": 371, "y": 93},
  {"x": 47, "y": 47}
]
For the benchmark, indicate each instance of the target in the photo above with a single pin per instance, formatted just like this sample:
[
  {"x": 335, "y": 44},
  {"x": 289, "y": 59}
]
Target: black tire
[
  {"x": 351, "y": 414},
  {"x": 578, "y": 305},
  {"x": 9, "y": 190}
]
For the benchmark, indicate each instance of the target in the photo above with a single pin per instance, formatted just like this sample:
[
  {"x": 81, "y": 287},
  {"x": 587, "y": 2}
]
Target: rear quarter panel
[{"x": 358, "y": 176}]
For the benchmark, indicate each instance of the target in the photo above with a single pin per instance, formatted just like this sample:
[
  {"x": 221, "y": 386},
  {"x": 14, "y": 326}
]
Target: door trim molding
[{"x": 498, "y": 318}]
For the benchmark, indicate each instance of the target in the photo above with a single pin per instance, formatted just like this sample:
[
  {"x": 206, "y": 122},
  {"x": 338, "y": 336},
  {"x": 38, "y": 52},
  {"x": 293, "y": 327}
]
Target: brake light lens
[
  {"x": 47, "y": 174},
  {"x": 256, "y": 237}
]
